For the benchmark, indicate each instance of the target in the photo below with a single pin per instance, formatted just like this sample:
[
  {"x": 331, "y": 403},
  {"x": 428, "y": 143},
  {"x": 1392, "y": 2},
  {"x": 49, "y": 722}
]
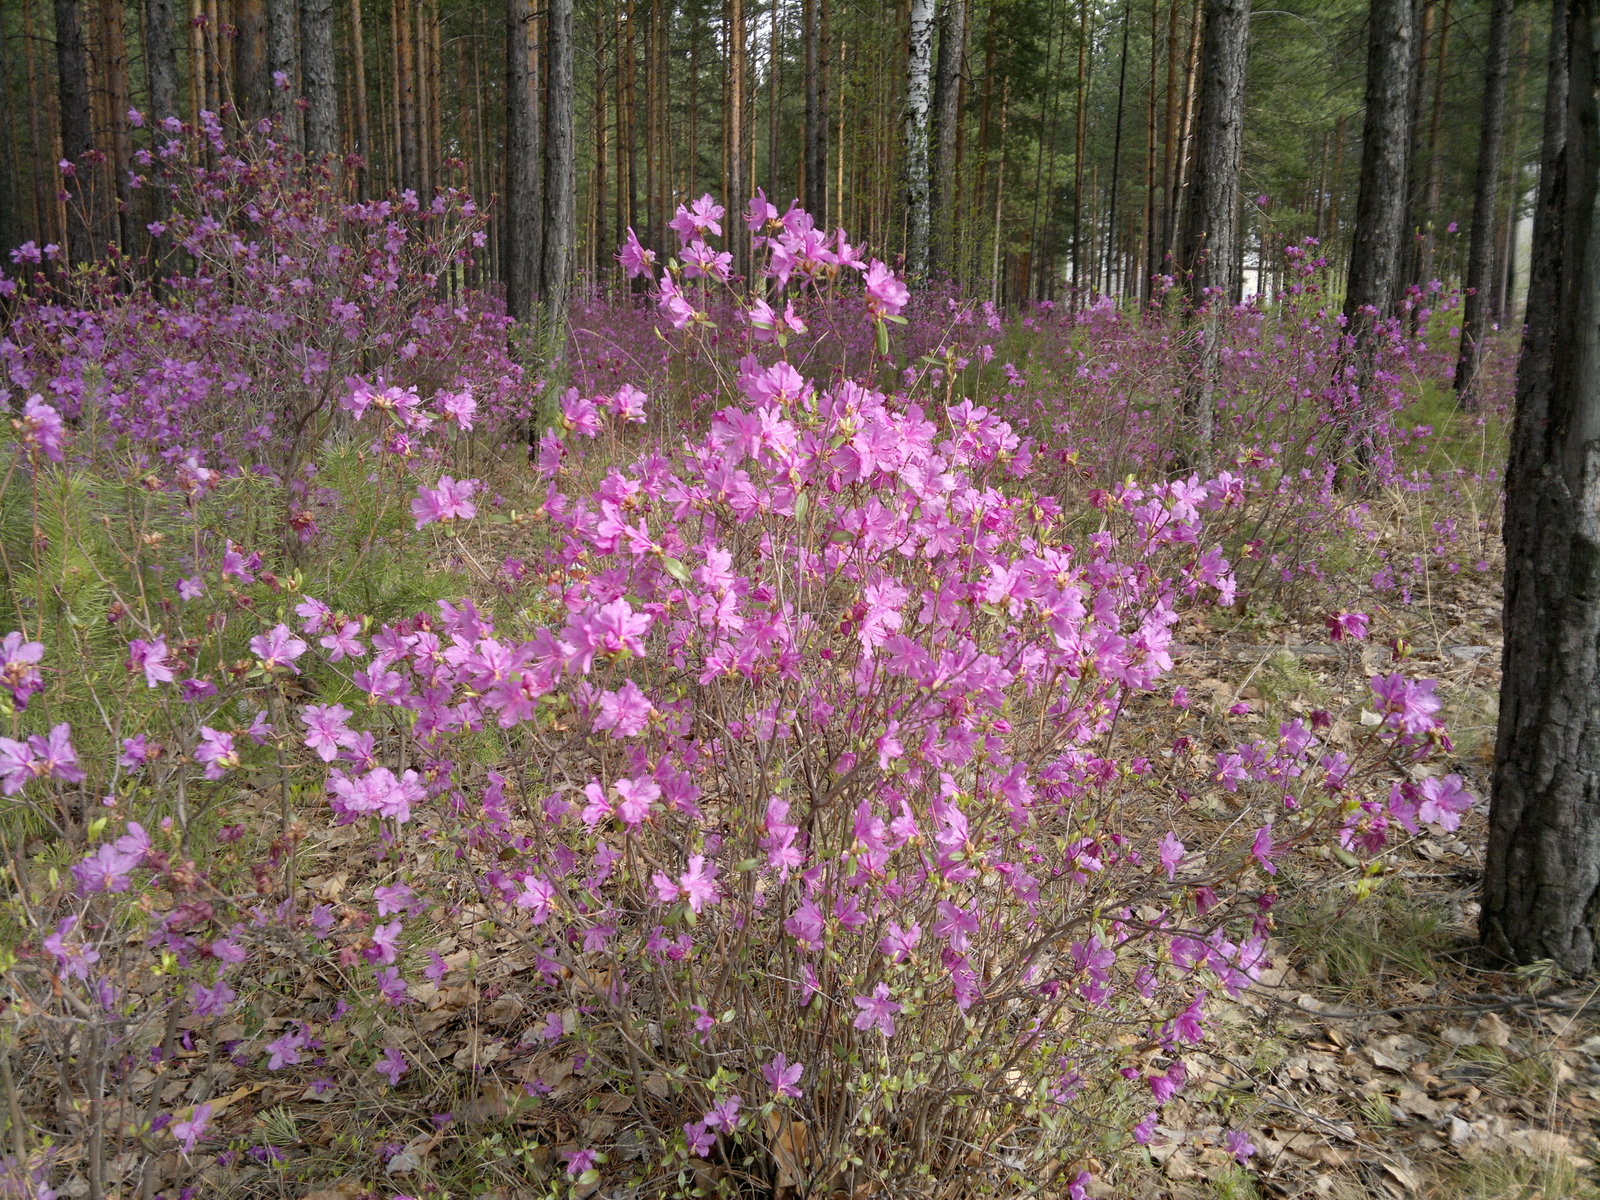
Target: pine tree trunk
[
  {"x": 524, "y": 170},
  {"x": 919, "y": 81},
  {"x": 1112, "y": 257},
  {"x": 946, "y": 122},
  {"x": 316, "y": 52},
  {"x": 602, "y": 242},
  {"x": 816, "y": 133},
  {"x": 251, "y": 71},
  {"x": 1079, "y": 294},
  {"x": 1434, "y": 185},
  {"x": 1541, "y": 897},
  {"x": 1381, "y": 200},
  {"x": 560, "y": 181},
  {"x": 1480, "y": 255},
  {"x": 77, "y": 139},
  {"x": 734, "y": 197},
  {"x": 283, "y": 59},
  {"x": 1212, "y": 229},
  {"x": 358, "y": 62},
  {"x": 114, "y": 77}
]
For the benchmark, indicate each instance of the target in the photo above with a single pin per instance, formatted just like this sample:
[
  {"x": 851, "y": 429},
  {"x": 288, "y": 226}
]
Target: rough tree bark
[
  {"x": 560, "y": 182},
  {"x": 283, "y": 57},
  {"x": 946, "y": 123},
  {"x": 252, "y": 87},
  {"x": 1541, "y": 893},
  {"x": 814, "y": 20},
  {"x": 524, "y": 175},
  {"x": 77, "y": 138},
  {"x": 316, "y": 61},
  {"x": 1485, "y": 195},
  {"x": 161, "y": 54},
  {"x": 919, "y": 80},
  {"x": 1381, "y": 198},
  {"x": 1212, "y": 228}
]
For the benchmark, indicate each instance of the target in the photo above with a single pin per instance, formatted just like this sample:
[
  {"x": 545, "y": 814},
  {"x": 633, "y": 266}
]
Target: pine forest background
[{"x": 1061, "y": 144}]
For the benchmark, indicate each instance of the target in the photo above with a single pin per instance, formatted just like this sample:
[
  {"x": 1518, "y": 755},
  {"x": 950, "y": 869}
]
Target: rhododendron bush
[{"x": 784, "y": 817}]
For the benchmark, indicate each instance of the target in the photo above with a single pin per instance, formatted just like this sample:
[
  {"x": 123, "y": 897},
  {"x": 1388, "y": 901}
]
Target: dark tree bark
[
  {"x": 358, "y": 63},
  {"x": 252, "y": 77},
  {"x": 1116, "y": 153},
  {"x": 316, "y": 61},
  {"x": 1381, "y": 199},
  {"x": 11, "y": 221},
  {"x": 1485, "y": 194},
  {"x": 1212, "y": 230},
  {"x": 814, "y": 18},
  {"x": 919, "y": 80},
  {"x": 77, "y": 137},
  {"x": 161, "y": 55},
  {"x": 283, "y": 58},
  {"x": 1541, "y": 897},
  {"x": 946, "y": 123},
  {"x": 524, "y": 217},
  {"x": 559, "y": 173}
]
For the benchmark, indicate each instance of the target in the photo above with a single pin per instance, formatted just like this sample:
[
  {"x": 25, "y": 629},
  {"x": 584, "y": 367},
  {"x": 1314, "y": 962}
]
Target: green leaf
[
  {"x": 883, "y": 338},
  {"x": 676, "y": 569}
]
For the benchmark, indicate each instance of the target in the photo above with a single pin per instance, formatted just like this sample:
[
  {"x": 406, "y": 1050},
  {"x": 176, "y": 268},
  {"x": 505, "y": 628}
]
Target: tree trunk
[
  {"x": 813, "y": 17},
  {"x": 1541, "y": 898},
  {"x": 1500, "y": 301},
  {"x": 1078, "y": 292},
  {"x": 1116, "y": 155},
  {"x": 559, "y": 175},
  {"x": 1211, "y": 231},
  {"x": 114, "y": 78},
  {"x": 251, "y": 70},
  {"x": 1485, "y": 194},
  {"x": 1181, "y": 172},
  {"x": 524, "y": 176},
  {"x": 602, "y": 242},
  {"x": 946, "y": 121},
  {"x": 316, "y": 56},
  {"x": 1381, "y": 199},
  {"x": 77, "y": 139},
  {"x": 358, "y": 61},
  {"x": 283, "y": 58},
  {"x": 733, "y": 195},
  {"x": 919, "y": 79},
  {"x": 1434, "y": 182}
]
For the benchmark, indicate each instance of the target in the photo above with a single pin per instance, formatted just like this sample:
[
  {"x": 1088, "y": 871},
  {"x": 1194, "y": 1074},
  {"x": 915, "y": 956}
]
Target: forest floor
[{"x": 1378, "y": 1057}]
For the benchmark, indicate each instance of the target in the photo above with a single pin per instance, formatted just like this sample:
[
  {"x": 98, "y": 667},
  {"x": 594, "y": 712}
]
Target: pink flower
[
  {"x": 782, "y": 1078},
  {"x": 216, "y": 752},
  {"x": 1172, "y": 852},
  {"x": 391, "y": 1066},
  {"x": 446, "y": 502},
  {"x": 188, "y": 1133},
  {"x": 326, "y": 729},
  {"x": 699, "y": 883},
  {"x": 41, "y": 429},
  {"x": 877, "y": 1011},
  {"x": 1261, "y": 849},
  {"x": 278, "y": 648},
  {"x": 150, "y": 657},
  {"x": 1238, "y": 1142},
  {"x": 635, "y": 259},
  {"x": 1443, "y": 802},
  {"x": 19, "y": 669},
  {"x": 886, "y": 295},
  {"x": 1352, "y": 625},
  {"x": 899, "y": 943}
]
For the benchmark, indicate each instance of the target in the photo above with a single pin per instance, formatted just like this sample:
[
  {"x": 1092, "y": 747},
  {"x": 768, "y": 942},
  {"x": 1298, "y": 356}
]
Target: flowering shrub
[
  {"x": 793, "y": 807},
  {"x": 273, "y": 294}
]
